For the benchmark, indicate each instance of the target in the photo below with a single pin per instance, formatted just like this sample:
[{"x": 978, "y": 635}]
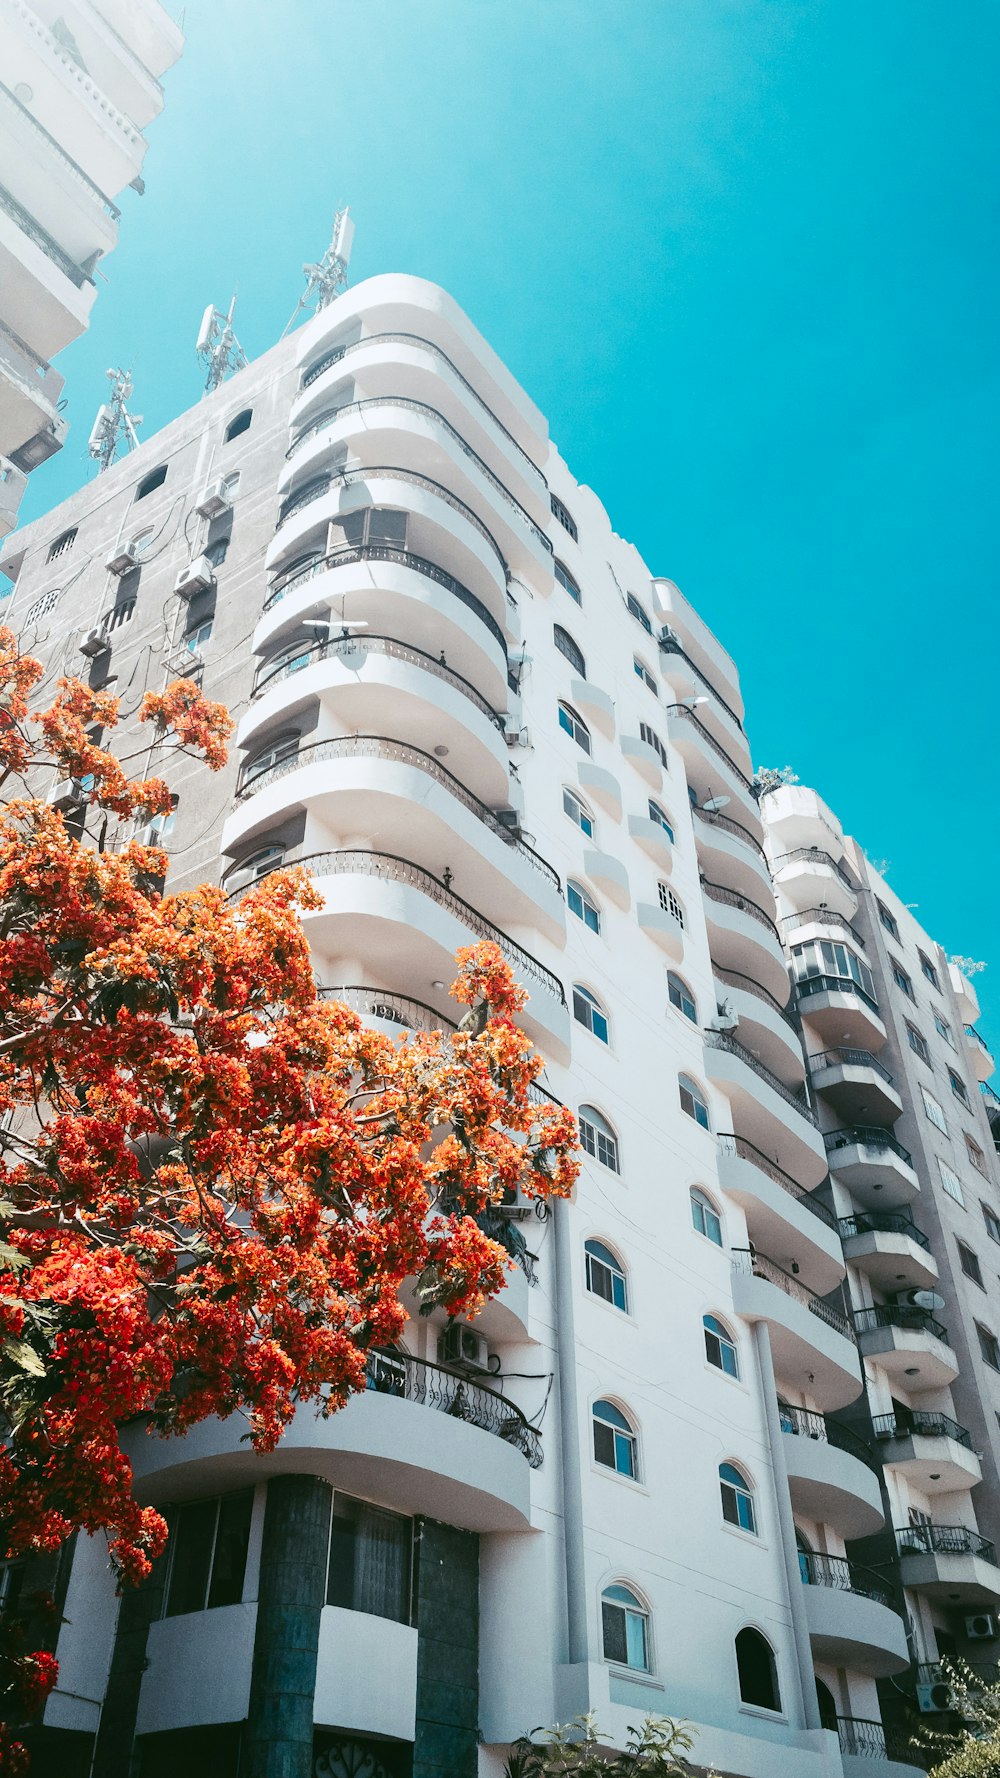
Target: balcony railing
[
  {"x": 747, "y": 985},
  {"x": 73, "y": 167},
  {"x": 882, "y": 1222},
  {"x": 849, "y": 1058},
  {"x": 944, "y": 1540},
  {"x": 712, "y": 818},
  {"x": 944, "y": 1673},
  {"x": 815, "y": 855},
  {"x": 863, "y": 1738},
  {"x": 272, "y": 673},
  {"x": 393, "y": 1008},
  {"x": 747, "y": 1151},
  {"x": 384, "y": 747},
  {"x": 921, "y": 1423},
  {"x": 908, "y": 1320},
  {"x": 416, "y": 1379},
  {"x": 843, "y": 1576},
  {"x": 823, "y": 917},
  {"x": 415, "y": 339},
  {"x": 383, "y": 552},
  {"x": 355, "y": 861},
  {"x": 804, "y": 1423},
  {"x": 719, "y": 892},
  {"x": 833, "y": 984},
  {"x": 750, "y": 1263},
  {"x": 866, "y": 1136},
  {"x": 317, "y": 486},
  {"x": 719, "y": 1040},
  {"x": 710, "y": 741},
  {"x": 670, "y": 645},
  {"x": 41, "y": 237}
]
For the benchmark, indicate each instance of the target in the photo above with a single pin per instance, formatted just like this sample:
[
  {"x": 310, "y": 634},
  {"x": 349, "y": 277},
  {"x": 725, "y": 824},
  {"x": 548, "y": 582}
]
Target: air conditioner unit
[
  {"x": 932, "y": 1699},
  {"x": 214, "y": 501},
  {"x": 514, "y": 1205},
  {"x": 66, "y": 794},
  {"x": 463, "y": 1347},
  {"x": 982, "y": 1627},
  {"x": 195, "y": 578},
  {"x": 93, "y": 643},
  {"x": 123, "y": 558},
  {"x": 511, "y": 820},
  {"x": 666, "y": 636}
]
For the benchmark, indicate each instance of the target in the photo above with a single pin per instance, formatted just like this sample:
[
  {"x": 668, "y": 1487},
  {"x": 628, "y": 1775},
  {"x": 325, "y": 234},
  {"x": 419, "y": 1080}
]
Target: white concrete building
[
  {"x": 647, "y": 1502},
  {"x": 79, "y": 82}
]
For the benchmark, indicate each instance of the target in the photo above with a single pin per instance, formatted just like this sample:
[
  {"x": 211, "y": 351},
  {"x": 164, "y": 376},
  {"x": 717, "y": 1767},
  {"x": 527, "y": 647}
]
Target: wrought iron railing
[
  {"x": 748, "y": 1151},
  {"x": 921, "y": 1423},
  {"x": 319, "y": 485},
  {"x": 907, "y": 1319},
  {"x": 750, "y": 1263},
  {"x": 849, "y": 1058},
  {"x": 823, "y": 917},
  {"x": 720, "y": 1040},
  {"x": 272, "y": 673},
  {"x": 393, "y": 1008},
  {"x": 688, "y": 715},
  {"x": 383, "y": 552},
  {"x": 833, "y": 984},
  {"x": 842, "y": 1576},
  {"x": 814, "y": 855},
  {"x": 804, "y": 1423},
  {"x": 728, "y": 825},
  {"x": 747, "y": 985},
  {"x": 944, "y": 1540},
  {"x": 866, "y": 1136},
  {"x": 946, "y": 1672},
  {"x": 670, "y": 645},
  {"x": 432, "y": 1386},
  {"x": 882, "y": 1222},
  {"x": 864, "y": 1738},
  {"x": 719, "y": 892}
]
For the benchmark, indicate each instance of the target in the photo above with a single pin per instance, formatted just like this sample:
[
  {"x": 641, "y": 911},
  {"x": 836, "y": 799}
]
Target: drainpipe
[
  {"x": 786, "y": 1526},
  {"x": 569, "y": 1442}
]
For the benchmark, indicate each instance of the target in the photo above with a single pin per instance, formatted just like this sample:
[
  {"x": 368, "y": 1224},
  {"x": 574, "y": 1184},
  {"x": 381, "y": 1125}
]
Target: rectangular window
[
  {"x": 957, "y": 1085},
  {"x": 933, "y": 1110},
  {"x": 917, "y": 1043},
  {"x": 638, "y": 613},
  {"x": 888, "y": 920},
  {"x": 992, "y": 1222},
  {"x": 988, "y": 1347},
  {"x": 943, "y": 1029},
  {"x": 207, "y": 1553},
  {"x": 976, "y": 1155},
  {"x": 970, "y": 1264},
  {"x": 370, "y": 1560},
  {"x": 642, "y": 672},
  {"x": 901, "y": 979},
  {"x": 929, "y": 970},
  {"x": 565, "y": 579},
  {"x": 951, "y": 1182}
]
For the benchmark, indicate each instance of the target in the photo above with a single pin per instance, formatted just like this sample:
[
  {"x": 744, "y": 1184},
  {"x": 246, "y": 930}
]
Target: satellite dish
[
  {"x": 713, "y": 804},
  {"x": 921, "y": 1299}
]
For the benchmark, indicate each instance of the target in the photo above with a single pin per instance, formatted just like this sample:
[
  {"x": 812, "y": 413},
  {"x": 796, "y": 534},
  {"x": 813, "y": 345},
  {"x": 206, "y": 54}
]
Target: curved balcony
[
  {"x": 979, "y": 1054},
  {"x": 687, "y": 682},
  {"x": 832, "y": 1476},
  {"x": 796, "y": 817},
  {"x": 597, "y": 707},
  {"x": 408, "y": 924},
  {"x": 889, "y": 1248},
  {"x": 602, "y": 785},
  {"x": 851, "y": 1619},
  {"x": 809, "y": 877},
  {"x": 764, "y": 1024},
  {"x": 422, "y": 1439},
  {"x": 878, "y": 1169},
  {"x": 949, "y": 1562},
  {"x": 810, "y": 1340},
  {"x": 930, "y": 1448},
  {"x": 663, "y": 927},
  {"x": 383, "y": 786},
  {"x": 741, "y": 936},
  {"x": 710, "y": 769},
  {"x": 911, "y": 1347},
  {"x": 654, "y": 840},
  {"x": 857, "y": 1085},
  {"x": 730, "y": 853},
  {"x": 702, "y": 647},
  {"x": 822, "y": 923},
  {"x": 770, "y": 1115},
  {"x": 840, "y": 1011},
  {"x": 870, "y": 1750},
  {"x": 608, "y": 875},
  {"x": 781, "y": 1216},
  {"x": 644, "y": 758}
]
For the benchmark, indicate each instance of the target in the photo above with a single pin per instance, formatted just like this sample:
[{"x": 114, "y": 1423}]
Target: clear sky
[{"x": 742, "y": 253}]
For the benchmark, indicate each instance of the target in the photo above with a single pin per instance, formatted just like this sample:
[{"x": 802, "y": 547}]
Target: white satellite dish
[{"x": 713, "y": 804}]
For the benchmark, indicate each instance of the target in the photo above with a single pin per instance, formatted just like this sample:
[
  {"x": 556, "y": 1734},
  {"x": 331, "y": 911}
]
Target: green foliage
[
  {"x": 975, "y": 1751},
  {"x": 973, "y": 1759},
  {"x": 577, "y": 1749}
]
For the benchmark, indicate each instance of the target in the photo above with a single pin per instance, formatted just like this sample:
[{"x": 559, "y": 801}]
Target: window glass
[
  {"x": 658, "y": 815},
  {"x": 642, "y": 672},
  {"x": 207, "y": 1553},
  {"x": 969, "y": 1262},
  {"x": 587, "y": 1011},
  {"x": 240, "y": 424},
  {"x": 992, "y": 1221},
  {"x": 692, "y": 1102},
  {"x": 835, "y": 961},
  {"x": 564, "y": 516},
  {"x": 285, "y": 747},
  {"x": 681, "y": 996},
  {"x": 574, "y": 725},
  {"x": 720, "y": 1347},
  {"x": 580, "y": 904},
  {"x": 988, "y": 1347},
  {"x": 756, "y": 1669},
  {"x": 933, "y": 1110},
  {"x": 578, "y": 813},
  {"x": 566, "y": 646},
  {"x": 624, "y": 1629},
  {"x": 565, "y": 579},
  {"x": 928, "y": 969},
  {"x": 976, "y": 1155},
  {"x": 957, "y": 1085},
  {"x": 155, "y": 479},
  {"x": 737, "y": 1498},
  {"x": 917, "y": 1043},
  {"x": 216, "y": 552},
  {"x": 901, "y": 979},
  {"x": 951, "y": 1182},
  {"x": 943, "y": 1029},
  {"x": 606, "y": 1275},
  {"x": 652, "y": 739},
  {"x": 197, "y": 637},
  {"x": 705, "y": 1217},
  {"x": 260, "y": 863},
  {"x": 615, "y": 1443},
  {"x": 597, "y": 1138},
  {"x": 370, "y": 1560},
  {"x": 638, "y": 613},
  {"x": 888, "y": 920},
  {"x": 669, "y": 903}
]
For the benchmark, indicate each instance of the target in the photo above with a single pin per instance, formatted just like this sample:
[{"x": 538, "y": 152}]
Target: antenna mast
[
  {"x": 114, "y": 428},
  {"x": 327, "y": 278},
  {"x": 218, "y": 348}
]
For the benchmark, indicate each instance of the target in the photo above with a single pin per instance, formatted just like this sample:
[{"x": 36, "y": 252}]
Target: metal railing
[
  {"x": 843, "y": 1576},
  {"x": 823, "y": 917},
  {"x": 728, "y": 825},
  {"x": 393, "y": 1008},
  {"x": 804, "y": 1423},
  {"x": 815, "y": 855},
  {"x": 356, "y": 861},
  {"x": 848, "y": 1058},
  {"x": 719, "y": 892},
  {"x": 319, "y": 485},
  {"x": 944, "y": 1673},
  {"x": 882, "y": 1222},
  {"x": 735, "y": 979},
  {"x": 979, "y": 1041},
  {"x": 41, "y": 237},
  {"x": 921, "y": 1423},
  {"x": 748, "y": 1151},
  {"x": 274, "y": 673},
  {"x": 720, "y": 1040},
  {"x": 908, "y": 1320},
  {"x": 709, "y": 739},
  {"x": 384, "y": 747},
  {"x": 833, "y": 984},
  {"x": 866, "y": 1136},
  {"x": 944, "y": 1540},
  {"x": 670, "y": 645},
  {"x": 864, "y": 1738},
  {"x": 432, "y": 1386},
  {"x": 750, "y": 1263},
  {"x": 384, "y": 552},
  {"x": 415, "y": 339},
  {"x": 368, "y": 402}
]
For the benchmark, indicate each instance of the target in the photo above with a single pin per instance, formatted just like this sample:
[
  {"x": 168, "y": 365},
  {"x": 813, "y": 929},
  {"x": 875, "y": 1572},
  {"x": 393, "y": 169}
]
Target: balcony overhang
[
  {"x": 954, "y": 1579},
  {"x": 934, "y": 1465},
  {"x": 832, "y": 1486},
  {"x": 848, "y": 1630}
]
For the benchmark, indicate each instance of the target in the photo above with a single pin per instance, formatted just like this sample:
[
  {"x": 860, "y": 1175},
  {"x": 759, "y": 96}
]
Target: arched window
[
  {"x": 578, "y": 812},
  {"x": 757, "y": 1671},
  {"x": 284, "y": 747},
  {"x": 588, "y": 1011},
  {"x": 693, "y": 1101},
  {"x": 670, "y": 903},
  {"x": 155, "y": 479},
  {"x": 705, "y": 1217},
  {"x": 615, "y": 1442},
  {"x": 598, "y": 1138},
  {"x": 565, "y": 579},
  {"x": 660, "y": 817},
  {"x": 241, "y": 423},
  {"x": 217, "y": 552},
  {"x": 737, "y": 1498},
  {"x": 720, "y": 1347},
  {"x": 638, "y": 613},
  {"x": 575, "y": 726},
  {"x": 62, "y": 543},
  {"x": 566, "y": 645},
  {"x": 681, "y": 996},
  {"x": 231, "y": 484},
  {"x": 827, "y": 1706},
  {"x": 565, "y": 517},
  {"x": 259, "y": 864},
  {"x": 580, "y": 904},
  {"x": 652, "y": 739},
  {"x": 625, "y": 1629},
  {"x": 642, "y": 672},
  {"x": 606, "y": 1275}
]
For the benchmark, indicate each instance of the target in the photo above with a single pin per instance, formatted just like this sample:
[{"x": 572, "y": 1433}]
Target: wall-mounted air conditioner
[
  {"x": 981, "y": 1627},
  {"x": 123, "y": 558},
  {"x": 214, "y": 501},
  {"x": 66, "y": 794},
  {"x": 94, "y": 642},
  {"x": 511, "y": 820},
  {"x": 515, "y": 1206},
  {"x": 195, "y": 578},
  {"x": 464, "y": 1347},
  {"x": 932, "y": 1699}
]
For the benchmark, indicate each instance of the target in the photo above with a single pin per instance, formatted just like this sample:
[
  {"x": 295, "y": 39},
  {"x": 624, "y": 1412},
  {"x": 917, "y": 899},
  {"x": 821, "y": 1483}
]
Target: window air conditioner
[
  {"x": 195, "y": 578},
  {"x": 66, "y": 794},
  {"x": 463, "y": 1347},
  {"x": 94, "y": 642},
  {"x": 511, "y": 820},
  {"x": 982, "y": 1627},
  {"x": 123, "y": 558},
  {"x": 666, "y": 636},
  {"x": 932, "y": 1699},
  {"x": 214, "y": 501},
  {"x": 514, "y": 1205}
]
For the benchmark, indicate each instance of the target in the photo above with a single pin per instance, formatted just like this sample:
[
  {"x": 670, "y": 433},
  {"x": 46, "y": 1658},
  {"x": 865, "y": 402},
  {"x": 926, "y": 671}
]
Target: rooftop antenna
[
  {"x": 327, "y": 278},
  {"x": 218, "y": 348},
  {"x": 115, "y": 428}
]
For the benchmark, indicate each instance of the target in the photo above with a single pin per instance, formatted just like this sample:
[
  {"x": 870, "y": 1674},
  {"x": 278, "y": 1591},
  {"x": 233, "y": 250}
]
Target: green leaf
[{"x": 24, "y": 1356}]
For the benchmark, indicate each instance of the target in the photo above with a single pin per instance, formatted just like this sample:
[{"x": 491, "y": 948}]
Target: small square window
[
  {"x": 917, "y": 1043},
  {"x": 901, "y": 979},
  {"x": 565, "y": 579},
  {"x": 888, "y": 920},
  {"x": 970, "y": 1264},
  {"x": 988, "y": 1347},
  {"x": 155, "y": 479},
  {"x": 957, "y": 1085}
]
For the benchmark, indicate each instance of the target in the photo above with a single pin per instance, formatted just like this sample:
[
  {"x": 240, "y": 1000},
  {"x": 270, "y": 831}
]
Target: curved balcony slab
[
  {"x": 797, "y": 817},
  {"x": 890, "y": 1256},
  {"x": 710, "y": 770},
  {"x": 654, "y": 840},
  {"x": 730, "y": 854},
  {"x": 609, "y": 875},
  {"x": 661, "y": 927},
  {"x": 811, "y": 878},
  {"x": 848, "y": 1630},
  {"x": 765, "y": 1111},
  {"x": 602, "y": 785},
  {"x": 838, "y": 1013},
  {"x": 939, "y": 1464},
  {"x": 782, "y": 1218},
  {"x": 645, "y": 759},
  {"x": 959, "y": 1576},
  {"x": 832, "y": 1486},
  {"x": 865, "y": 1765},
  {"x": 596, "y": 705},
  {"x": 908, "y": 1348},
  {"x": 706, "y": 651},
  {"x": 763, "y": 1027},
  {"x": 979, "y": 1054},
  {"x": 857, "y": 1086},
  {"x": 808, "y": 1351},
  {"x": 742, "y": 937},
  {"x": 880, "y": 1177}
]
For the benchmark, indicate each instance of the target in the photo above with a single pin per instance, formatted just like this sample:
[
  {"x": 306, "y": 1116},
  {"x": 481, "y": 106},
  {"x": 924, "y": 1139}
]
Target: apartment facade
[
  {"x": 79, "y": 82},
  {"x": 639, "y": 1481}
]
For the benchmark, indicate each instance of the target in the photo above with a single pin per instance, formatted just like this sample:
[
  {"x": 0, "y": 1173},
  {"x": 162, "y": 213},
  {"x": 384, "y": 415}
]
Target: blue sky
[{"x": 743, "y": 254}]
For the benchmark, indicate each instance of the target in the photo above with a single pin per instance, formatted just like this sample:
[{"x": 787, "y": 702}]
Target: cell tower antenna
[
  {"x": 114, "y": 429},
  {"x": 327, "y": 278},
  {"x": 218, "y": 348}
]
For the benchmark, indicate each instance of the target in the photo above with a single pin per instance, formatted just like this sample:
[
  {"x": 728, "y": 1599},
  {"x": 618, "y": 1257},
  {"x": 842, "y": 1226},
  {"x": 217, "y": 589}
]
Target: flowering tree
[
  {"x": 656, "y": 1749},
  {"x": 214, "y": 1182}
]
